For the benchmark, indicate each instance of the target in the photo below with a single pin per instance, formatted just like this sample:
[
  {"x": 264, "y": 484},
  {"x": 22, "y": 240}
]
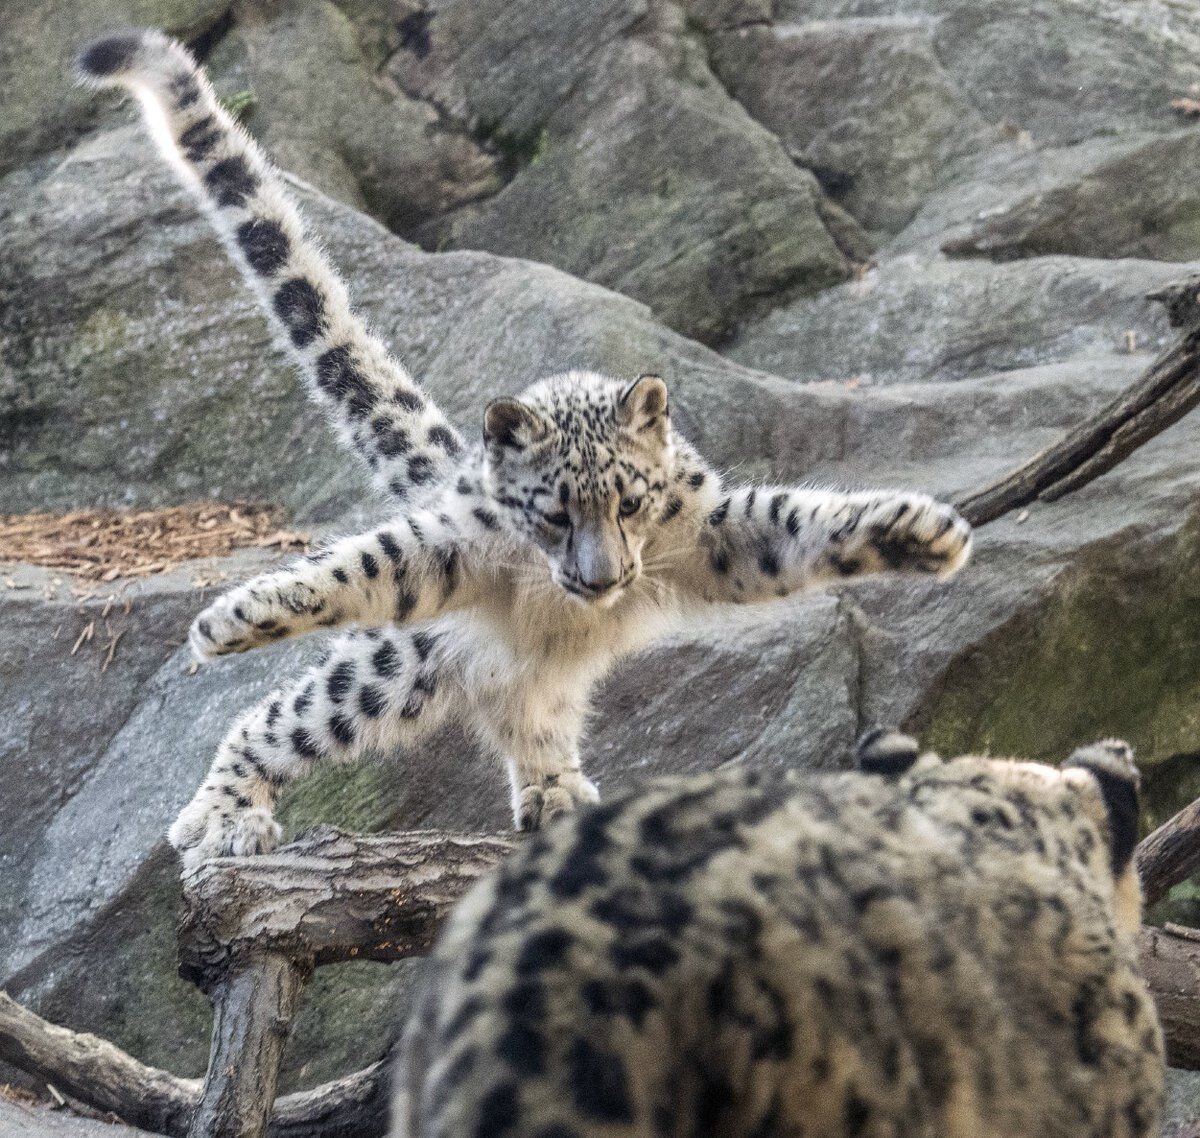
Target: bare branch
[
  {"x": 329, "y": 897},
  {"x": 1171, "y": 965},
  {"x": 1170, "y": 854},
  {"x": 1168, "y": 390},
  {"x": 103, "y": 1076}
]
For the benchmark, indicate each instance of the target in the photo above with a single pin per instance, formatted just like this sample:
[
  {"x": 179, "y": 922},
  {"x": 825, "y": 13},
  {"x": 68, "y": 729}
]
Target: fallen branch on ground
[
  {"x": 1171, "y": 965},
  {"x": 254, "y": 928},
  {"x": 103, "y": 1076}
]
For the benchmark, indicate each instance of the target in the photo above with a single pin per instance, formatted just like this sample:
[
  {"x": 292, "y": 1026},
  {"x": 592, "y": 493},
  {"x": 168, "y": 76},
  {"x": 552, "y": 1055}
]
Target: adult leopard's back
[{"x": 946, "y": 952}]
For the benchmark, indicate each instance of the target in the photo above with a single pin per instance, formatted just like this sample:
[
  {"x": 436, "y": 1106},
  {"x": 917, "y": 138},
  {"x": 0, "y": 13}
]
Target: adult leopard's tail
[{"x": 375, "y": 403}]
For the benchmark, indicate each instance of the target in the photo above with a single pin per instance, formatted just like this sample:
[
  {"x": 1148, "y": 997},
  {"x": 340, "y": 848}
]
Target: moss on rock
[{"x": 1114, "y": 650}]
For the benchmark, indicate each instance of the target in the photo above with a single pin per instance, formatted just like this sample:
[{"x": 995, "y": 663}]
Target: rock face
[
  {"x": 17, "y": 1121},
  {"x": 654, "y": 175},
  {"x": 633, "y": 167}
]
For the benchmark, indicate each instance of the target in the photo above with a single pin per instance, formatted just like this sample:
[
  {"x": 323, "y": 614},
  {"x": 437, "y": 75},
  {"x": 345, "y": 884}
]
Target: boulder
[
  {"x": 666, "y": 191},
  {"x": 18, "y": 1120},
  {"x": 865, "y": 104},
  {"x": 921, "y": 318},
  {"x": 1140, "y": 203},
  {"x": 322, "y": 113},
  {"x": 1060, "y": 70}
]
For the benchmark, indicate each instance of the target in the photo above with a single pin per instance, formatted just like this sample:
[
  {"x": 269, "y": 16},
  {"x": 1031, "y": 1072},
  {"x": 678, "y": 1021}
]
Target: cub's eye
[
  {"x": 630, "y": 505},
  {"x": 562, "y": 519}
]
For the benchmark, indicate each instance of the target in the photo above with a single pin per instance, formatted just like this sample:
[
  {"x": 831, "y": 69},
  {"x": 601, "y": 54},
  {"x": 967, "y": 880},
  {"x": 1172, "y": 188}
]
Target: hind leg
[{"x": 375, "y": 690}]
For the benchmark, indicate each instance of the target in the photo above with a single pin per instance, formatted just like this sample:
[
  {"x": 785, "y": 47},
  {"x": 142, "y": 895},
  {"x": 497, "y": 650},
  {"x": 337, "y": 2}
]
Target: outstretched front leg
[
  {"x": 538, "y": 741},
  {"x": 760, "y": 543},
  {"x": 405, "y": 572}
]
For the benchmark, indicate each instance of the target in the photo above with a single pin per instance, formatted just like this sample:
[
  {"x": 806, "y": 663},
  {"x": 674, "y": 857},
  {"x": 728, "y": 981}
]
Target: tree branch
[
  {"x": 1170, "y": 854},
  {"x": 1171, "y": 965},
  {"x": 103, "y": 1076},
  {"x": 329, "y": 897},
  {"x": 335, "y": 896},
  {"x": 1167, "y": 391}
]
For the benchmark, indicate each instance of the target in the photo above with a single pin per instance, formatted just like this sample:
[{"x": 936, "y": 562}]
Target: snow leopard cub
[
  {"x": 516, "y": 570},
  {"x": 925, "y": 949}
]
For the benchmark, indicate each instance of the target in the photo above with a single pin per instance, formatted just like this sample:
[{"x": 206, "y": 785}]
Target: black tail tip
[{"x": 110, "y": 55}]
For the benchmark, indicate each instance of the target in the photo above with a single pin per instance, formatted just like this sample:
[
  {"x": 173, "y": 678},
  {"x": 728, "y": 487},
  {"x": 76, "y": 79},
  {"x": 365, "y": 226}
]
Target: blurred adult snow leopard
[
  {"x": 923, "y": 949},
  {"x": 516, "y": 570}
]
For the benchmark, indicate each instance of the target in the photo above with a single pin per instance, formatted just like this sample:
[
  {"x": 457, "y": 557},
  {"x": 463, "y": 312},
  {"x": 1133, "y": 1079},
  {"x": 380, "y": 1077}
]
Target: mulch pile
[{"x": 104, "y": 545}]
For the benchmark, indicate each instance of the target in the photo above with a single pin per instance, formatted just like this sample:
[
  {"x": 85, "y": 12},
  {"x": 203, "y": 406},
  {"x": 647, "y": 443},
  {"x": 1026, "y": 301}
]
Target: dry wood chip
[
  {"x": 102, "y": 546},
  {"x": 89, "y": 630},
  {"x": 112, "y": 649}
]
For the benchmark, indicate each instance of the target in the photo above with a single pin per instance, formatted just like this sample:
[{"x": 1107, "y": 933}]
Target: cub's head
[
  {"x": 579, "y": 465},
  {"x": 1097, "y": 784}
]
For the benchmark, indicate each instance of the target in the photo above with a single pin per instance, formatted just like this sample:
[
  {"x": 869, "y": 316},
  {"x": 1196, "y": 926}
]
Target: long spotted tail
[{"x": 374, "y": 402}]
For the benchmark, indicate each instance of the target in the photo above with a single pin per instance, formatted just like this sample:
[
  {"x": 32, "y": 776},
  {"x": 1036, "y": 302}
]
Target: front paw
[
  {"x": 202, "y": 831},
  {"x": 536, "y": 805},
  {"x": 224, "y": 627},
  {"x": 918, "y": 534}
]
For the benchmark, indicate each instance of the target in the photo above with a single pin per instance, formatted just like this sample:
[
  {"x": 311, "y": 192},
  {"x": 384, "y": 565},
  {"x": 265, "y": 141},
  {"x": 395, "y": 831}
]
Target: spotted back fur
[
  {"x": 515, "y": 571},
  {"x": 944, "y": 952}
]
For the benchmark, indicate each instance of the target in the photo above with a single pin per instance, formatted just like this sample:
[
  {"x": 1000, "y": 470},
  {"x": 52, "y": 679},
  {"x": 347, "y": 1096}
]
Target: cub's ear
[
  {"x": 1111, "y": 764},
  {"x": 643, "y": 405},
  {"x": 886, "y": 751},
  {"x": 512, "y": 424}
]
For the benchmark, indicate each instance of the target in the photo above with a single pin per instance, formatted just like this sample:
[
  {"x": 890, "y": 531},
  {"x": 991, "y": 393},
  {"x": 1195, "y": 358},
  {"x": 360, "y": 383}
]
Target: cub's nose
[{"x": 598, "y": 587}]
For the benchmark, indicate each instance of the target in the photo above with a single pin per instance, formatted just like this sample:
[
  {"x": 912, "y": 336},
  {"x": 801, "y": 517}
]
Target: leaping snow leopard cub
[
  {"x": 516, "y": 570},
  {"x": 924, "y": 949}
]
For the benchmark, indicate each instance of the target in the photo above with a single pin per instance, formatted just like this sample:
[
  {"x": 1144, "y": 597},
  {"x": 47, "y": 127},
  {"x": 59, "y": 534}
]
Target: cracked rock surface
[{"x": 865, "y": 241}]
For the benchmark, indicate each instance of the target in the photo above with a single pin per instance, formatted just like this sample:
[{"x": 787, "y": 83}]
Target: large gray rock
[
  {"x": 20, "y": 1121},
  {"x": 634, "y": 168},
  {"x": 42, "y": 107},
  {"x": 1060, "y": 69},
  {"x": 920, "y": 317},
  {"x": 866, "y": 104},
  {"x": 1142, "y": 203},
  {"x": 323, "y": 115}
]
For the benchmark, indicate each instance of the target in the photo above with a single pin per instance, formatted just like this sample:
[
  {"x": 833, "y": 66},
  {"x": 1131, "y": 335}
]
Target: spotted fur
[
  {"x": 516, "y": 571},
  {"x": 944, "y": 952}
]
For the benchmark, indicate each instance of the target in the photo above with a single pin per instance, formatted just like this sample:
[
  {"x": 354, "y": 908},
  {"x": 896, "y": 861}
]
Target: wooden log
[
  {"x": 103, "y": 1076},
  {"x": 254, "y": 1004},
  {"x": 1171, "y": 965},
  {"x": 97, "y": 1073},
  {"x": 329, "y": 897},
  {"x": 1170, "y": 854},
  {"x": 254, "y": 928},
  {"x": 1166, "y": 392}
]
